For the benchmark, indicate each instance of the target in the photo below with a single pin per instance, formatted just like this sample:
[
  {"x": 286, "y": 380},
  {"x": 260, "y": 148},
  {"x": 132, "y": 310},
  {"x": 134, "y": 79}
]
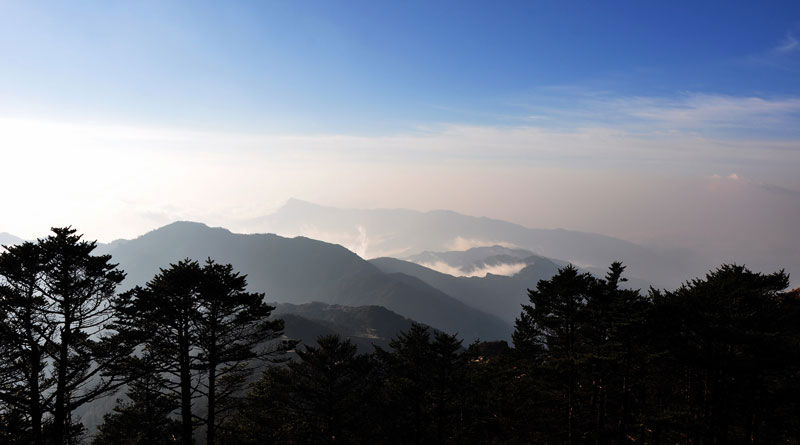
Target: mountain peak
[
  {"x": 7, "y": 239},
  {"x": 183, "y": 229}
]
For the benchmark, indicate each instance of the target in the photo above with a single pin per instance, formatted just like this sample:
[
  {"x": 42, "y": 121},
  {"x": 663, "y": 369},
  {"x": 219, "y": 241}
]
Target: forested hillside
[{"x": 194, "y": 354}]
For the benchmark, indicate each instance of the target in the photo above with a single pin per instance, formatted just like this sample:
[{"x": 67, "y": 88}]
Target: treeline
[
  {"x": 185, "y": 341},
  {"x": 715, "y": 361}
]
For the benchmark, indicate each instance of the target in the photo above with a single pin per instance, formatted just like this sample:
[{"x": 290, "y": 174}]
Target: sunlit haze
[{"x": 676, "y": 127}]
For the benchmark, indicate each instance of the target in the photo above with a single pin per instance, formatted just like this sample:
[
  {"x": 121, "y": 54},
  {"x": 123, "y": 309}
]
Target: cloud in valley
[
  {"x": 664, "y": 172},
  {"x": 507, "y": 269}
]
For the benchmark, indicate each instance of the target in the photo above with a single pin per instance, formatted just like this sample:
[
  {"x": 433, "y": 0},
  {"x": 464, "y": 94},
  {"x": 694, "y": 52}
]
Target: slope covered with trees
[
  {"x": 301, "y": 270},
  {"x": 716, "y": 360}
]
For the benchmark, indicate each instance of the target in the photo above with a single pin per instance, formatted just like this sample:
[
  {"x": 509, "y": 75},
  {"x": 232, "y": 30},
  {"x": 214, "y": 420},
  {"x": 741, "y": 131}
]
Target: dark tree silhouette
[
  {"x": 552, "y": 327},
  {"x": 233, "y": 327},
  {"x": 144, "y": 419},
  {"x": 323, "y": 397},
  {"x": 422, "y": 378},
  {"x": 200, "y": 326},
  {"x": 729, "y": 341},
  {"x": 55, "y": 301},
  {"x": 25, "y": 333},
  {"x": 161, "y": 317},
  {"x": 78, "y": 286}
]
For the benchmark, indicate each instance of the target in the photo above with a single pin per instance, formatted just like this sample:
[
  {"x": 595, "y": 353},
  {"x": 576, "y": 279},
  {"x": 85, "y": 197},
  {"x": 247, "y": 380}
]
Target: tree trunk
[
  {"x": 211, "y": 421},
  {"x": 186, "y": 394},
  {"x": 35, "y": 361},
  {"x": 35, "y": 407},
  {"x": 60, "y": 412}
]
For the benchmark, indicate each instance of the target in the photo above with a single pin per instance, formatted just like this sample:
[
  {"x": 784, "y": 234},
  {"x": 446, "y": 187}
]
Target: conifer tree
[
  {"x": 327, "y": 391},
  {"x": 729, "y": 337},
  {"x": 161, "y": 317},
  {"x": 25, "y": 334},
  {"x": 201, "y": 327},
  {"x": 324, "y": 397},
  {"x": 233, "y": 327},
  {"x": 144, "y": 419},
  {"x": 553, "y": 327},
  {"x": 421, "y": 380},
  {"x": 54, "y": 298}
]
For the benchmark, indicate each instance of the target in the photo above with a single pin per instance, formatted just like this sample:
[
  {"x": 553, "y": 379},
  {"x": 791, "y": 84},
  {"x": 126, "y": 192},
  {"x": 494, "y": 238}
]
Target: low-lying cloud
[
  {"x": 460, "y": 244},
  {"x": 507, "y": 269}
]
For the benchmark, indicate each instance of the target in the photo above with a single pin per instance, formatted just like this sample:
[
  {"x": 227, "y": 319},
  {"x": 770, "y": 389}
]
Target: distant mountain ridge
[
  {"x": 302, "y": 270},
  {"x": 496, "y": 294},
  {"x": 478, "y": 261},
  {"x": 7, "y": 239},
  {"x": 401, "y": 233},
  {"x": 365, "y": 326}
]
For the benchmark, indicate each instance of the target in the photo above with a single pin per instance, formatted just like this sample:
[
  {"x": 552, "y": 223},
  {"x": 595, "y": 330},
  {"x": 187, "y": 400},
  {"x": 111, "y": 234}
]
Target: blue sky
[
  {"x": 378, "y": 67},
  {"x": 671, "y": 124}
]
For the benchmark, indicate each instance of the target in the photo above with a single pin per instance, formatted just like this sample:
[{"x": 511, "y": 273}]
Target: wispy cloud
[
  {"x": 788, "y": 44},
  {"x": 507, "y": 269},
  {"x": 782, "y": 55},
  {"x": 461, "y": 244},
  {"x": 696, "y": 111},
  {"x": 224, "y": 178}
]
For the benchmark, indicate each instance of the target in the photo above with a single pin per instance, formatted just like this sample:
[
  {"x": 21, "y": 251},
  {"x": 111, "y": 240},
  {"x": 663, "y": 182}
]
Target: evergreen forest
[{"x": 194, "y": 356}]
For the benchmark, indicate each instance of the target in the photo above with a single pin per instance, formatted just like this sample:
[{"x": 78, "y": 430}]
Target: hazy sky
[{"x": 670, "y": 124}]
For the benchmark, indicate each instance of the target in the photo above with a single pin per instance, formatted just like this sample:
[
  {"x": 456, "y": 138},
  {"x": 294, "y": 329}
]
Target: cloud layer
[{"x": 706, "y": 172}]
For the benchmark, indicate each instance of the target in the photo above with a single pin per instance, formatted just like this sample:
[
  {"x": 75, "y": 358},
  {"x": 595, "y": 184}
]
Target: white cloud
[
  {"x": 461, "y": 244},
  {"x": 699, "y": 111},
  {"x": 508, "y": 269},
  {"x": 116, "y": 181},
  {"x": 788, "y": 44}
]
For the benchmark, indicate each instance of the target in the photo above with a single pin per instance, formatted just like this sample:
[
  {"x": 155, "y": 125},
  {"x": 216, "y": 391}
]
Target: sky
[{"x": 672, "y": 124}]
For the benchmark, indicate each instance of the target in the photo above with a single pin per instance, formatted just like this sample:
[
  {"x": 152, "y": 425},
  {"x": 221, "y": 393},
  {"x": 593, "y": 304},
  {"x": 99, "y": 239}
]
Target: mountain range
[
  {"x": 365, "y": 326},
  {"x": 400, "y": 233},
  {"x": 7, "y": 239},
  {"x": 499, "y": 295},
  {"x": 301, "y": 270}
]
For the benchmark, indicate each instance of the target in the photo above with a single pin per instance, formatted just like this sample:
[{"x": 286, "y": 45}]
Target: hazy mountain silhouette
[
  {"x": 496, "y": 294},
  {"x": 478, "y": 261},
  {"x": 365, "y": 326},
  {"x": 7, "y": 239},
  {"x": 400, "y": 233},
  {"x": 302, "y": 270}
]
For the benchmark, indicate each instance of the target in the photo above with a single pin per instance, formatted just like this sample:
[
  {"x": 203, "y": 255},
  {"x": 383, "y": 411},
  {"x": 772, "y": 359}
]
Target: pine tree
[
  {"x": 421, "y": 379},
  {"x": 323, "y": 397},
  {"x": 55, "y": 301},
  {"x": 25, "y": 333},
  {"x": 727, "y": 337},
  {"x": 200, "y": 327},
  {"x": 233, "y": 327},
  {"x": 144, "y": 419},
  {"x": 161, "y": 317},
  {"x": 552, "y": 326},
  {"x": 327, "y": 390}
]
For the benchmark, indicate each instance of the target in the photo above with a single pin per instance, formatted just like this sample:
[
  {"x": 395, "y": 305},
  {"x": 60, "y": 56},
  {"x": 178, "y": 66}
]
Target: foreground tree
[
  {"x": 324, "y": 395},
  {"x": 233, "y": 328},
  {"x": 421, "y": 382},
  {"x": 54, "y": 299},
  {"x": 552, "y": 328},
  {"x": 733, "y": 348},
  {"x": 25, "y": 333},
  {"x": 200, "y": 327},
  {"x": 88, "y": 360},
  {"x": 161, "y": 317},
  {"x": 144, "y": 419}
]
